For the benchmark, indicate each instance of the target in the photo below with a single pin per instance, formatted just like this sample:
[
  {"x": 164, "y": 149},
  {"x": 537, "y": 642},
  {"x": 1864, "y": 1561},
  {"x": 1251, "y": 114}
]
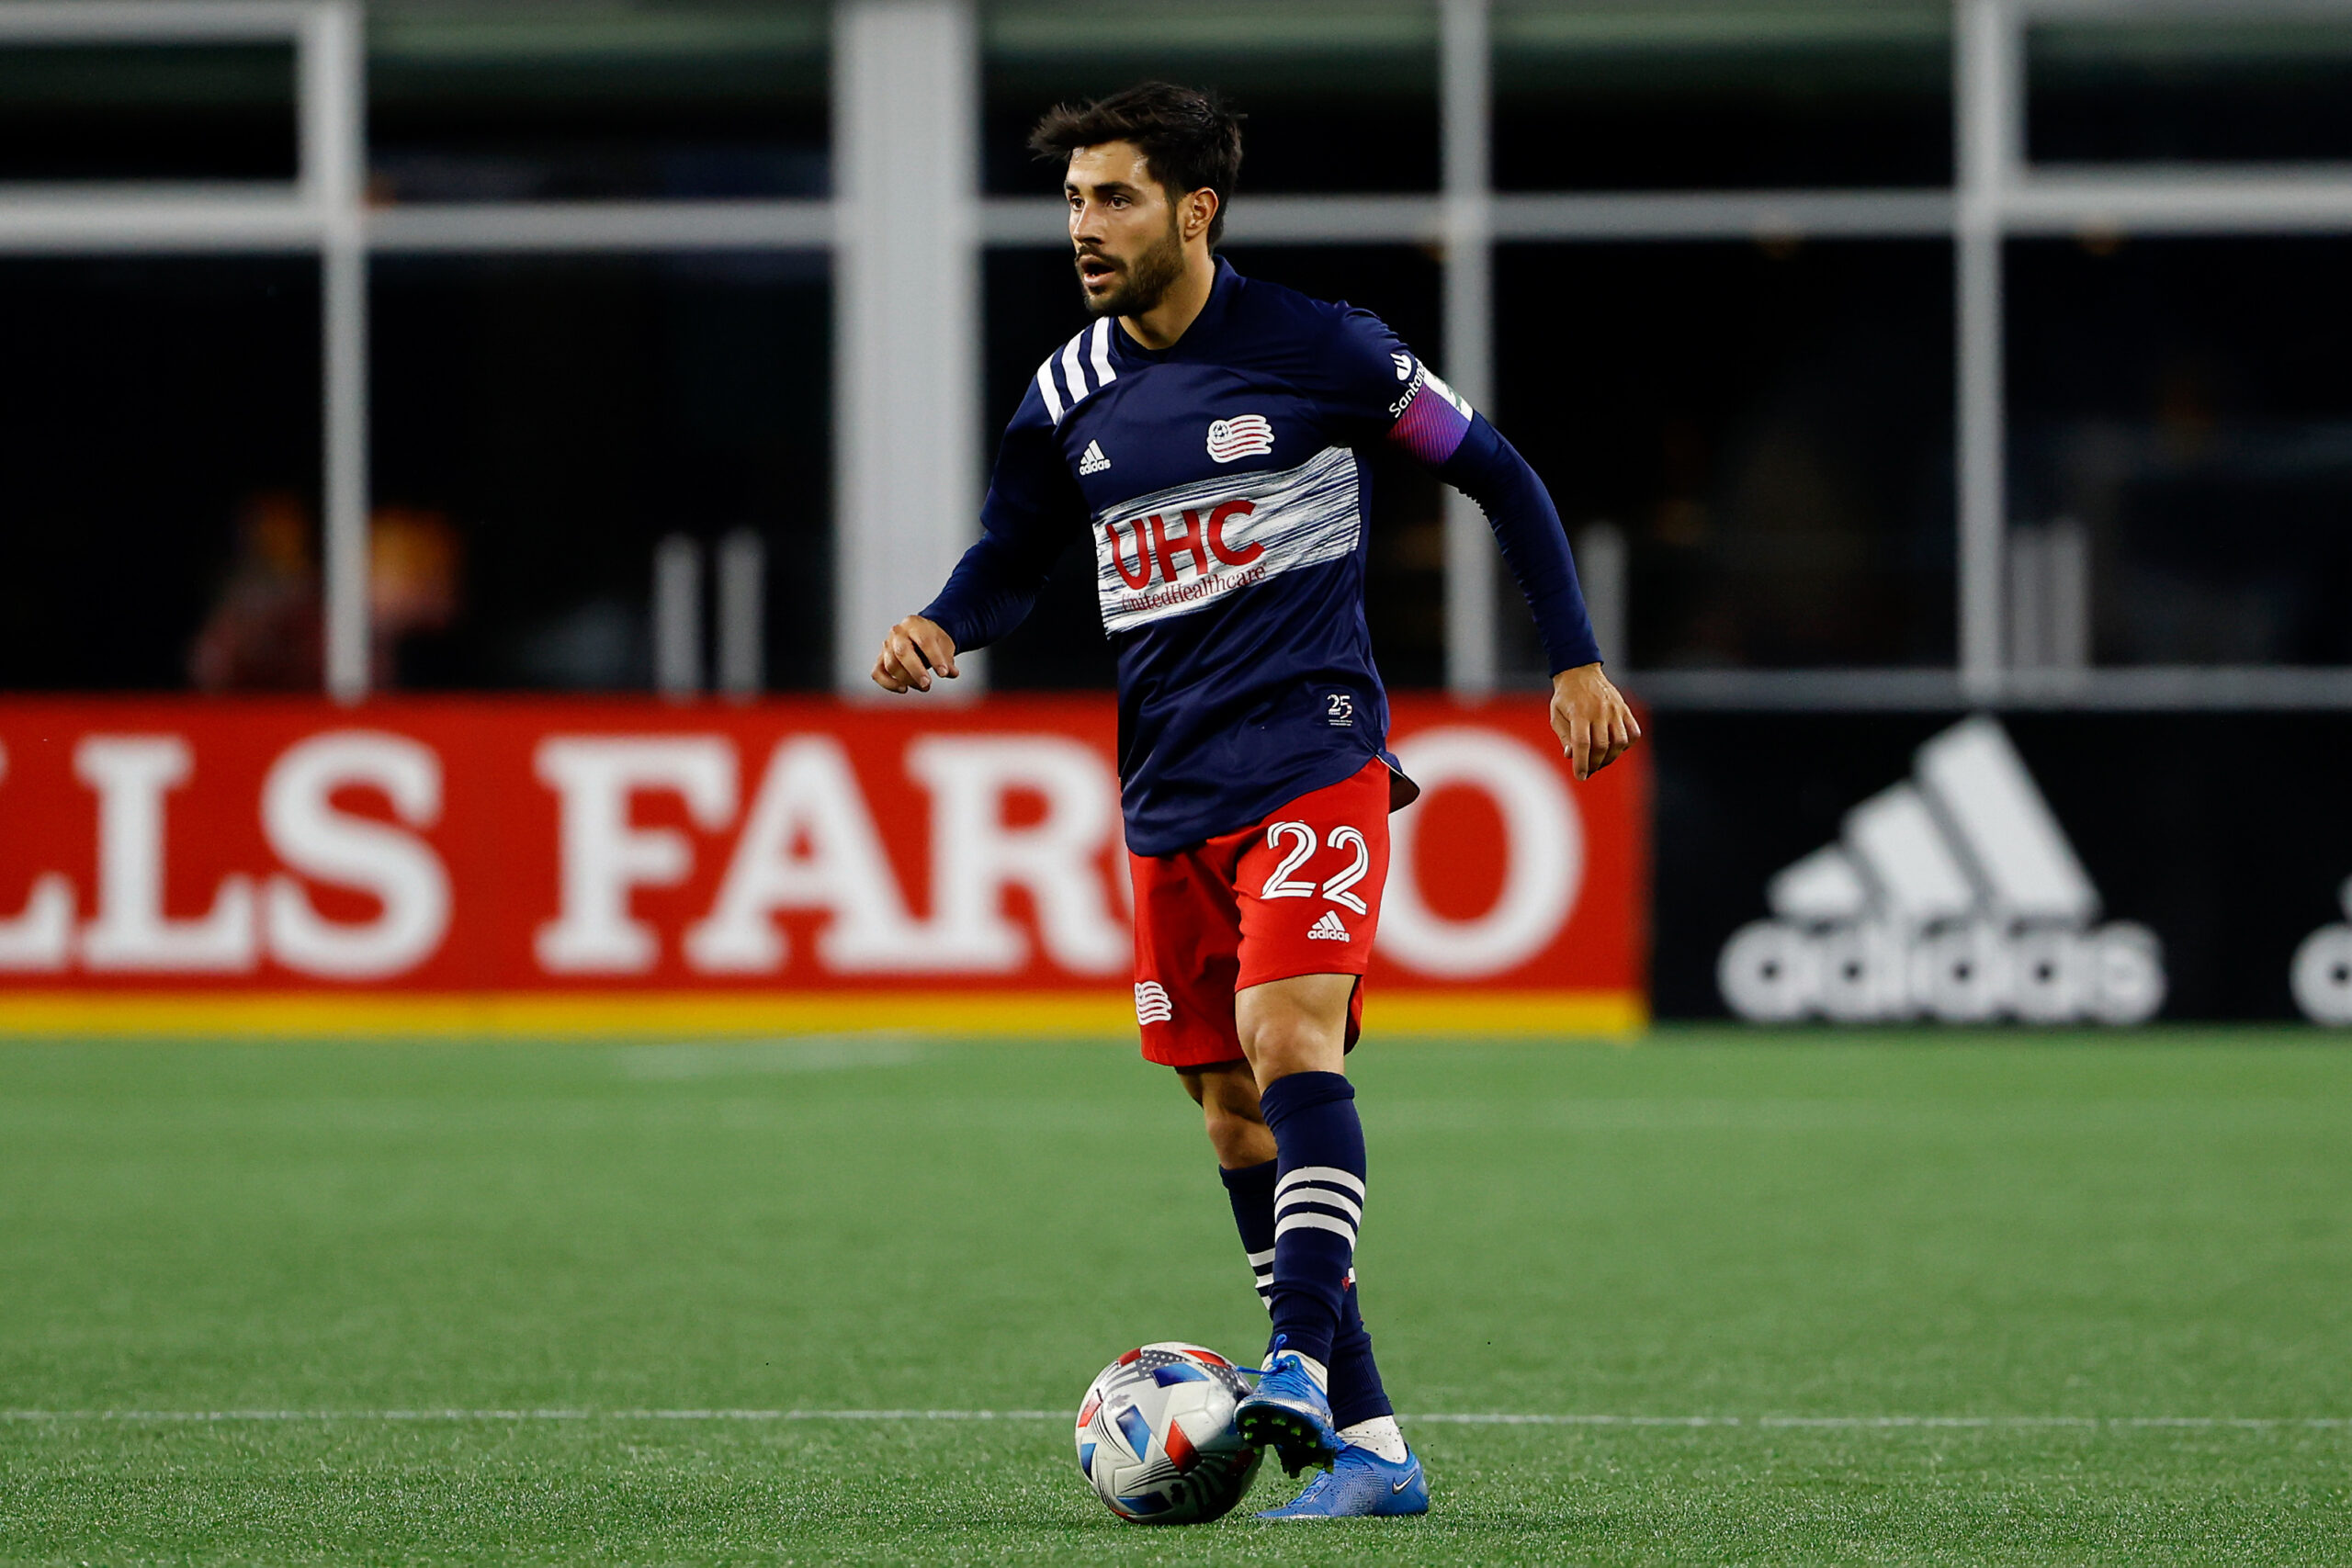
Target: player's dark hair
[{"x": 1192, "y": 140}]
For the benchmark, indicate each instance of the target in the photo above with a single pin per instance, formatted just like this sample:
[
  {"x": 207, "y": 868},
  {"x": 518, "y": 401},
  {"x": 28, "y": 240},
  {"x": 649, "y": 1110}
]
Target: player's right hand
[{"x": 915, "y": 650}]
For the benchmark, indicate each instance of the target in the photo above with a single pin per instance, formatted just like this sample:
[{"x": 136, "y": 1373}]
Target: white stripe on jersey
[
  {"x": 1104, "y": 374},
  {"x": 1235, "y": 530},
  {"x": 1072, "y": 362}
]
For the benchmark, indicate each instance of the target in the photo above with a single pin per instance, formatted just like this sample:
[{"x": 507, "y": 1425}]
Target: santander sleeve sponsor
[{"x": 507, "y": 846}]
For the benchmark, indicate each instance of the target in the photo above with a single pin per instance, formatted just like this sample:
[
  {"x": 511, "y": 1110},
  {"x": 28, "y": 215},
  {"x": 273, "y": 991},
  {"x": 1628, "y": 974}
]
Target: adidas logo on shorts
[
  {"x": 1151, "y": 1003},
  {"x": 1329, "y": 929}
]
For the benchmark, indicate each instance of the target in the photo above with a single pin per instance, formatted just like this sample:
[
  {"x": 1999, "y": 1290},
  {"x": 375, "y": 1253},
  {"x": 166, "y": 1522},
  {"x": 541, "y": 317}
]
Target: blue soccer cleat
[
  {"x": 1291, "y": 1412},
  {"x": 1359, "y": 1485}
]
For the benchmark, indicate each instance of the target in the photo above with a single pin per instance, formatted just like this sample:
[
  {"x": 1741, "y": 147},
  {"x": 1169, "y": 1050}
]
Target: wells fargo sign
[{"x": 625, "y": 867}]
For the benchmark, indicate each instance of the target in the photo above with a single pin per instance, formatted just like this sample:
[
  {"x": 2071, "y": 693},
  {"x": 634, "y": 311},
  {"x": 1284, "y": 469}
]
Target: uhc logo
[
  {"x": 1195, "y": 536},
  {"x": 1954, "y": 896},
  {"x": 1180, "y": 551}
]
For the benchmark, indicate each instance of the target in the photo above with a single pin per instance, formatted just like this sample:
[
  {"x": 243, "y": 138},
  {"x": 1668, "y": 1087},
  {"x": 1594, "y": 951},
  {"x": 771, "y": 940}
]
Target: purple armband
[{"x": 1434, "y": 419}]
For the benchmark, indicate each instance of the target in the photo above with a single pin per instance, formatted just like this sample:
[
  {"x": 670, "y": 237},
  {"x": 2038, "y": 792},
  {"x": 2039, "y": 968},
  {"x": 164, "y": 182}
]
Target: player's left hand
[{"x": 1591, "y": 719}]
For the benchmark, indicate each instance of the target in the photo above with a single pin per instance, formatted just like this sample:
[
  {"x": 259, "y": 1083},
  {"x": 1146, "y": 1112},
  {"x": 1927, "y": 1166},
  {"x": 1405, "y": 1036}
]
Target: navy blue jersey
[{"x": 1224, "y": 482}]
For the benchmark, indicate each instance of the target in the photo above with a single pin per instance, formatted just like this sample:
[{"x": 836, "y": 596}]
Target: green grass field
[{"x": 1927, "y": 1298}]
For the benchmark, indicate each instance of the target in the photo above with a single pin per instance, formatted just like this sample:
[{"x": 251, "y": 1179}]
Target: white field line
[{"x": 1489, "y": 1418}]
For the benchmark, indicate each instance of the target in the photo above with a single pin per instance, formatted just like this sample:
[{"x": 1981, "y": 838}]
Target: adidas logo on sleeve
[
  {"x": 1329, "y": 929},
  {"x": 1092, "y": 461}
]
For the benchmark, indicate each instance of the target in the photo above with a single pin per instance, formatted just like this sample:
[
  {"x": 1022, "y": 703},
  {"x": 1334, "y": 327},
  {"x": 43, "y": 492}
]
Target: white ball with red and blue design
[{"x": 1155, "y": 1437}]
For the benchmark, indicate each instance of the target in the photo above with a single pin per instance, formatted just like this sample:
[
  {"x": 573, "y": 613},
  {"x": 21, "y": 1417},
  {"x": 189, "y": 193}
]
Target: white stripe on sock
[
  {"x": 1290, "y": 1223},
  {"x": 1318, "y": 1195},
  {"x": 1330, "y": 1175}
]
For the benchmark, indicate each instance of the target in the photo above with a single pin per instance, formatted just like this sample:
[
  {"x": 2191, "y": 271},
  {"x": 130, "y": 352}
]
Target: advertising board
[
  {"x": 2031, "y": 867},
  {"x": 629, "y": 867}
]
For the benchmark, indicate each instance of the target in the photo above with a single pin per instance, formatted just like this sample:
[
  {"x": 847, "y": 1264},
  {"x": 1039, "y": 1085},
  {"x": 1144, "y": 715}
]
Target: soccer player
[{"x": 1210, "y": 432}]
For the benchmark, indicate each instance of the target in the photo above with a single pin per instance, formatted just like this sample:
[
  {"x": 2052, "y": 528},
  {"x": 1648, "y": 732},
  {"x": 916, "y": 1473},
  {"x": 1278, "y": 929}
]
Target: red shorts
[{"x": 1296, "y": 894}]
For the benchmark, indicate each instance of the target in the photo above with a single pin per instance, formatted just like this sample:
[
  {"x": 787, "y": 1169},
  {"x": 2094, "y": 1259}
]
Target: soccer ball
[{"x": 1155, "y": 1437}]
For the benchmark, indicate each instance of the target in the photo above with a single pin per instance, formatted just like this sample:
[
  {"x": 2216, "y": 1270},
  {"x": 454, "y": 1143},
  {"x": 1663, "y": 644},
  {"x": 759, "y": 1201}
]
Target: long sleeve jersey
[{"x": 1224, "y": 481}]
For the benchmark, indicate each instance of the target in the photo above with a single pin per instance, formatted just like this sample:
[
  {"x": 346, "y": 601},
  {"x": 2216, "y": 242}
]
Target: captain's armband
[{"x": 1432, "y": 418}]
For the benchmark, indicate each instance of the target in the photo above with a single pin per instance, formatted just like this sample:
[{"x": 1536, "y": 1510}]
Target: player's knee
[
  {"x": 1231, "y": 1134},
  {"x": 1291, "y": 1042},
  {"x": 1235, "y": 1111},
  {"x": 1295, "y": 1026},
  {"x": 1237, "y": 1130}
]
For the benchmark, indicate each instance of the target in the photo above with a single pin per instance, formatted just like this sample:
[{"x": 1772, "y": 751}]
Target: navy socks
[
  {"x": 1356, "y": 1393},
  {"x": 1298, "y": 1216},
  {"x": 1252, "y": 1190},
  {"x": 1318, "y": 1203}
]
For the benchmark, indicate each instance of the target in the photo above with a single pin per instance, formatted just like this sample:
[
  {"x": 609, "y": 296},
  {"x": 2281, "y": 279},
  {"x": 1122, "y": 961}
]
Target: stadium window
[
  {"x": 1033, "y": 308},
  {"x": 2229, "y": 87},
  {"x": 2182, "y": 402},
  {"x": 1635, "y": 96},
  {"x": 159, "y": 426},
  {"x": 1341, "y": 97},
  {"x": 504, "y": 102},
  {"x": 104, "y": 113},
  {"x": 1768, "y": 427},
  {"x": 554, "y": 418}
]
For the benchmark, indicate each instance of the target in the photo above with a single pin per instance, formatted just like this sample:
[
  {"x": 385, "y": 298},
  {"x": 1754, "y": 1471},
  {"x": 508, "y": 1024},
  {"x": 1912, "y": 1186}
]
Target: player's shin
[
  {"x": 1357, "y": 1396},
  {"x": 1318, "y": 1204},
  {"x": 1251, "y": 1192},
  {"x": 1360, "y": 1406}
]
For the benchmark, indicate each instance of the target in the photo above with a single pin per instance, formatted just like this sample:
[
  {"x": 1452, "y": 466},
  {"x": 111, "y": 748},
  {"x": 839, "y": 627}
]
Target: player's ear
[{"x": 1200, "y": 207}]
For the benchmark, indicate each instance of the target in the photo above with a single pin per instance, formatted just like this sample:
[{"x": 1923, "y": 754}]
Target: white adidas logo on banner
[
  {"x": 2322, "y": 976},
  {"x": 1954, "y": 896}
]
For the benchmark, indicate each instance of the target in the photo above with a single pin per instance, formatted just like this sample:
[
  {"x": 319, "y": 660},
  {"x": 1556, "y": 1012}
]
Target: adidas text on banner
[{"x": 1952, "y": 895}]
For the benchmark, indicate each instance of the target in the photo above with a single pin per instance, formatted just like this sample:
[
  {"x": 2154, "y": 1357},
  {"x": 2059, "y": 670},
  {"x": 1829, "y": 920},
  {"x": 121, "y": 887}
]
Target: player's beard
[{"x": 1144, "y": 282}]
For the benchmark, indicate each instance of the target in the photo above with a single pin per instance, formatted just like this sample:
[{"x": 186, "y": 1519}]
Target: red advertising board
[{"x": 605, "y": 866}]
